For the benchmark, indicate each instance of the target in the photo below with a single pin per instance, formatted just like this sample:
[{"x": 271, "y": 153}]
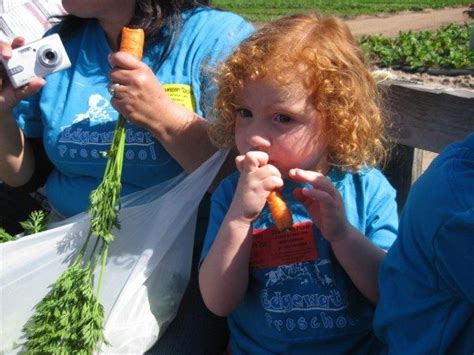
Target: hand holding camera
[
  {"x": 36, "y": 59},
  {"x": 9, "y": 96}
]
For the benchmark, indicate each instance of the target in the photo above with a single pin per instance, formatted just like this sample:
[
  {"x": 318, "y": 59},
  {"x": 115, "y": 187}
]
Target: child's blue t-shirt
[
  {"x": 426, "y": 281},
  {"x": 310, "y": 307},
  {"x": 73, "y": 114}
]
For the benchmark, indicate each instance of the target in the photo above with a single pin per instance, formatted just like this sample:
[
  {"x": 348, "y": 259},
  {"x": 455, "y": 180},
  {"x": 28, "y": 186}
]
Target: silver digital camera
[{"x": 39, "y": 58}]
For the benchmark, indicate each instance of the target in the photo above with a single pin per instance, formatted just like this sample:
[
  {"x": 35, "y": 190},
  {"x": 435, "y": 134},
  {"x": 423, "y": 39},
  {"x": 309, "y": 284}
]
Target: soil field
[{"x": 391, "y": 25}]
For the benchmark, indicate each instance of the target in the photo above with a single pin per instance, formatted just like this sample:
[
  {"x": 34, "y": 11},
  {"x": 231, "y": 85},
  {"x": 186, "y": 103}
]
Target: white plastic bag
[{"x": 147, "y": 271}]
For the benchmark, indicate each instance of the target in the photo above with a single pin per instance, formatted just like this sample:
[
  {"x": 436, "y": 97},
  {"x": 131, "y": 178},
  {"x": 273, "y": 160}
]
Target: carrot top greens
[{"x": 70, "y": 318}]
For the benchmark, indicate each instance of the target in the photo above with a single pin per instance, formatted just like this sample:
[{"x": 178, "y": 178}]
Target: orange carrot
[
  {"x": 132, "y": 41},
  {"x": 281, "y": 214}
]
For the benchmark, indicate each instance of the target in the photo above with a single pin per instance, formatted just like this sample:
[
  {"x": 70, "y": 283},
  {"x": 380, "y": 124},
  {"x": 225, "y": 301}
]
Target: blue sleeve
[
  {"x": 382, "y": 222},
  {"x": 28, "y": 116},
  {"x": 220, "y": 202},
  {"x": 228, "y": 30},
  {"x": 454, "y": 253}
]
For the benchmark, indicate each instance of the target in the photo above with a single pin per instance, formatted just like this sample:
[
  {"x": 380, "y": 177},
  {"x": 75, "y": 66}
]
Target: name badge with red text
[{"x": 271, "y": 247}]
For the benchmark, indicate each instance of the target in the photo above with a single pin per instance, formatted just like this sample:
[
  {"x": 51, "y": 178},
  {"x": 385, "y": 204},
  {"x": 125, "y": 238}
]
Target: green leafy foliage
[
  {"x": 35, "y": 223},
  {"x": 264, "y": 10},
  {"x": 103, "y": 200},
  {"x": 69, "y": 320},
  {"x": 446, "y": 48},
  {"x": 5, "y": 236}
]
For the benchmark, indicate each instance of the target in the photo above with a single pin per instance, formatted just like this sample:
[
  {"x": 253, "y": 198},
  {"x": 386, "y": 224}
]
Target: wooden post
[
  {"x": 422, "y": 118},
  {"x": 399, "y": 171}
]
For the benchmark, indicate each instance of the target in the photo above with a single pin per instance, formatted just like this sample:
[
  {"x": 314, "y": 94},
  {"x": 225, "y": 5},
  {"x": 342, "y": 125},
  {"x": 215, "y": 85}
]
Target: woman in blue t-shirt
[{"x": 72, "y": 114}]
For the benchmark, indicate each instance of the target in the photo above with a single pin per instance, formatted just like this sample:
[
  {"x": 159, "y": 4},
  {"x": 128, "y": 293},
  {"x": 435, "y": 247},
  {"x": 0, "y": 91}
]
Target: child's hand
[
  {"x": 257, "y": 180},
  {"x": 323, "y": 203}
]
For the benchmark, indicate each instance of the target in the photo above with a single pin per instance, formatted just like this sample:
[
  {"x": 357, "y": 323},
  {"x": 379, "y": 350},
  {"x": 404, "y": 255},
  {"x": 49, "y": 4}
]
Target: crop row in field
[{"x": 263, "y": 10}]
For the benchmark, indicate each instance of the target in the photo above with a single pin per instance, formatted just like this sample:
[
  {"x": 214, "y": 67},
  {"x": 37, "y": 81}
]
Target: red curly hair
[{"x": 324, "y": 52}]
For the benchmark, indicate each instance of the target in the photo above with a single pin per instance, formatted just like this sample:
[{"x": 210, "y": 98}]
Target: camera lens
[{"x": 49, "y": 57}]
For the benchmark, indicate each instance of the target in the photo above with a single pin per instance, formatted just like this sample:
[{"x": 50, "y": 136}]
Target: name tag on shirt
[{"x": 271, "y": 247}]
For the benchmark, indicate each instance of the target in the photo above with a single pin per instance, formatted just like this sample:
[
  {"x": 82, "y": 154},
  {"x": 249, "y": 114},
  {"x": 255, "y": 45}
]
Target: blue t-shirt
[
  {"x": 310, "y": 307},
  {"x": 426, "y": 281},
  {"x": 73, "y": 114}
]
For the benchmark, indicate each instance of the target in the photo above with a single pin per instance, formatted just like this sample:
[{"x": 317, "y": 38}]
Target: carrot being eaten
[
  {"x": 132, "y": 41},
  {"x": 280, "y": 212}
]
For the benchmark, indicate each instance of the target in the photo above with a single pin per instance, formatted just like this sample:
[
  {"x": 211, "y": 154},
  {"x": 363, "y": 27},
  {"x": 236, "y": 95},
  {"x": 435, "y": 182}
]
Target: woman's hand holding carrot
[
  {"x": 133, "y": 41},
  {"x": 142, "y": 100},
  {"x": 138, "y": 95}
]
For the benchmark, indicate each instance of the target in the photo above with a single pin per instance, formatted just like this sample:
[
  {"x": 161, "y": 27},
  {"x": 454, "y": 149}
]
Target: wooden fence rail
[{"x": 424, "y": 119}]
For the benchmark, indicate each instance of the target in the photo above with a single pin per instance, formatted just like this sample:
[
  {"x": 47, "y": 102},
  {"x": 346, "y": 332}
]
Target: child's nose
[{"x": 258, "y": 141}]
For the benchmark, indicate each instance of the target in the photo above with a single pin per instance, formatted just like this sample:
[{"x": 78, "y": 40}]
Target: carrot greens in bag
[{"x": 70, "y": 318}]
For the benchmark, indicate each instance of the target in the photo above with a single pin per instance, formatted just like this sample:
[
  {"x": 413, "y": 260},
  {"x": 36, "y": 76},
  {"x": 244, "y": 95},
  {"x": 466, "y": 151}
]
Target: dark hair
[{"x": 151, "y": 15}]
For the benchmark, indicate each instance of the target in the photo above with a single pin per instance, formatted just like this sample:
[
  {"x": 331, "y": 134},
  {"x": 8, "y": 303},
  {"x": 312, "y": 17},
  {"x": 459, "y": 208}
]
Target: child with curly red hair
[{"x": 298, "y": 102}]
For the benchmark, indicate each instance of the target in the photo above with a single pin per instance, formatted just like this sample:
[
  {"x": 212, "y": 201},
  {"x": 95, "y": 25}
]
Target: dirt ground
[{"x": 390, "y": 25}]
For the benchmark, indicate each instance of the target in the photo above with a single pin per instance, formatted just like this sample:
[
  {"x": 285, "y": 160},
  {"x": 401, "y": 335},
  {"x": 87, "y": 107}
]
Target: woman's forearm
[
  {"x": 16, "y": 157},
  {"x": 184, "y": 135},
  {"x": 141, "y": 98}
]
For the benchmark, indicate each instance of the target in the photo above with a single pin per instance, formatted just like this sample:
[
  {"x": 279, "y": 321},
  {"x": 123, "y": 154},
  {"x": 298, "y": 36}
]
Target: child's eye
[
  {"x": 282, "y": 118},
  {"x": 243, "y": 112}
]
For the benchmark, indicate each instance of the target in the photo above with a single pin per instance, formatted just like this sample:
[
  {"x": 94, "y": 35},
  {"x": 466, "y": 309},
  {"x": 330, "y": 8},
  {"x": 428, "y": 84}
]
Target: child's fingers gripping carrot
[
  {"x": 281, "y": 214},
  {"x": 132, "y": 41}
]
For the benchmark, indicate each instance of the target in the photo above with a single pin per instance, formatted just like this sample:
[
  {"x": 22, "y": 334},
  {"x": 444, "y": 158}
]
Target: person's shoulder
[
  {"x": 217, "y": 20},
  {"x": 371, "y": 178},
  {"x": 228, "y": 184},
  {"x": 213, "y": 15},
  {"x": 224, "y": 193},
  {"x": 373, "y": 185},
  {"x": 231, "y": 179},
  {"x": 76, "y": 35},
  {"x": 467, "y": 145},
  {"x": 455, "y": 158},
  {"x": 450, "y": 176},
  {"x": 455, "y": 153},
  {"x": 374, "y": 177},
  {"x": 463, "y": 170}
]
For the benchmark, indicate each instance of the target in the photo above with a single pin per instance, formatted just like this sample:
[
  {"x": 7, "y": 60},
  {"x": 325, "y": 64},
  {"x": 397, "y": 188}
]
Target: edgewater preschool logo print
[
  {"x": 92, "y": 131},
  {"x": 304, "y": 272},
  {"x": 313, "y": 302},
  {"x": 97, "y": 112}
]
